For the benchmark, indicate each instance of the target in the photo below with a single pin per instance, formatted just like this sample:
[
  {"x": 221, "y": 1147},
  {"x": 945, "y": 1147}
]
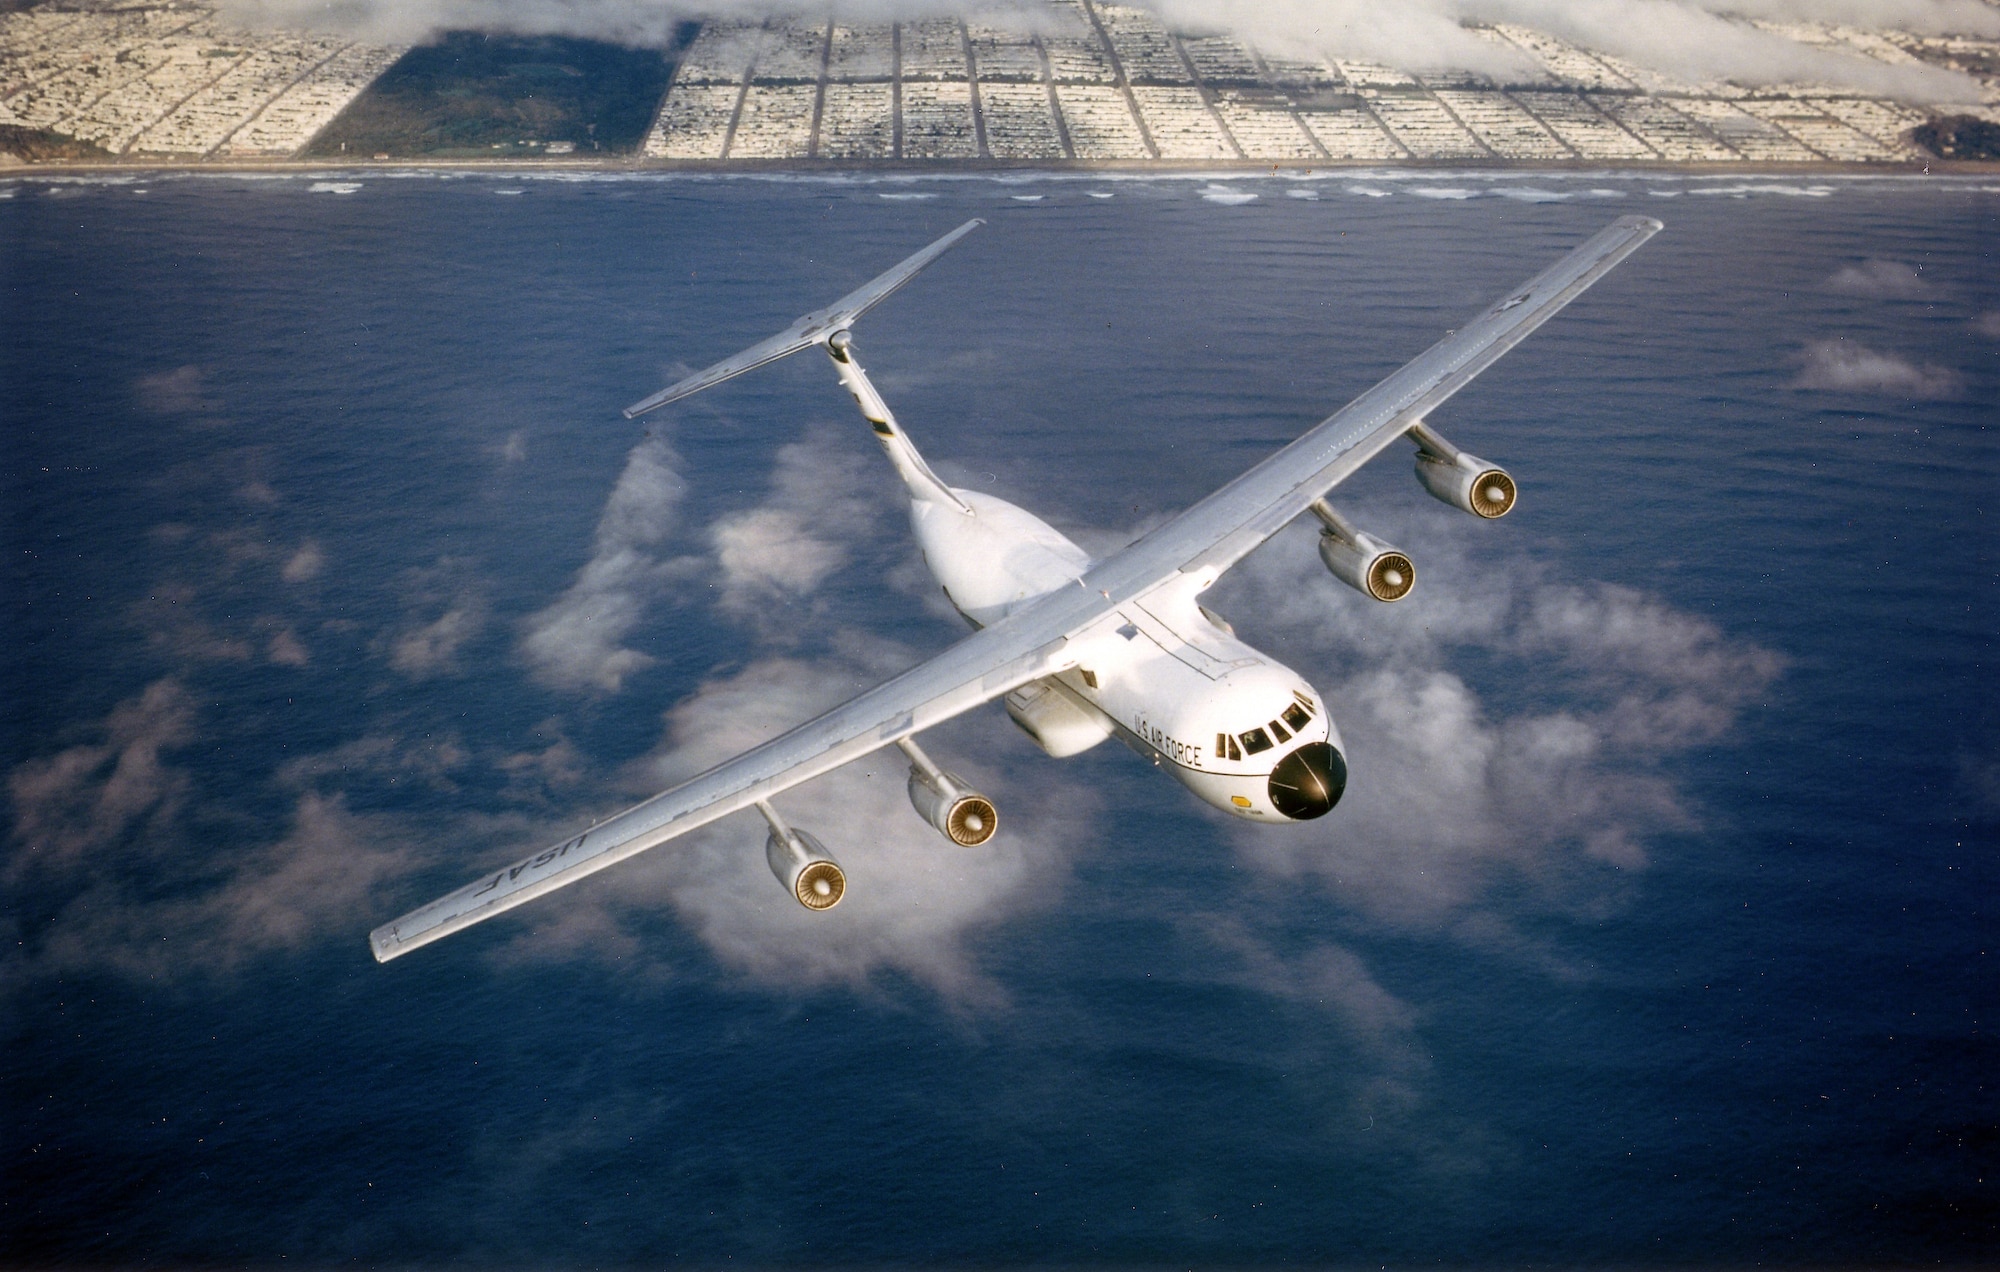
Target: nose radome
[{"x": 1308, "y": 782}]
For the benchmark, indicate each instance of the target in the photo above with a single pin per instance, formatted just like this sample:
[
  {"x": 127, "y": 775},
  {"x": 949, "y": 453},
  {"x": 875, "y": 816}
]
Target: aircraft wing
[
  {"x": 1219, "y": 531},
  {"x": 810, "y": 330},
  {"x": 1047, "y": 635},
  {"x": 984, "y": 666}
]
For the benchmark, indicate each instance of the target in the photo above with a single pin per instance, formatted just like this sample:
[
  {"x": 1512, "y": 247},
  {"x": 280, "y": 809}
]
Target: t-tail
[{"x": 830, "y": 327}]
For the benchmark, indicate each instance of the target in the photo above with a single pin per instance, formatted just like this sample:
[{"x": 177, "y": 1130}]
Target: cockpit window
[
  {"x": 1279, "y": 729},
  {"x": 1297, "y": 716},
  {"x": 1225, "y": 748},
  {"x": 1305, "y": 703},
  {"x": 1256, "y": 740}
]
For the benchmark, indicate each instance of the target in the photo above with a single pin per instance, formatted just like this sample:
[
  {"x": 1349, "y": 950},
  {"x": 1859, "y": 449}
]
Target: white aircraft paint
[{"x": 1080, "y": 650}]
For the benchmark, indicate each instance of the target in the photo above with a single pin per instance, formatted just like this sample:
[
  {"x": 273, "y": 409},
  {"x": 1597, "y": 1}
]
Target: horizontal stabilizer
[{"x": 810, "y": 330}]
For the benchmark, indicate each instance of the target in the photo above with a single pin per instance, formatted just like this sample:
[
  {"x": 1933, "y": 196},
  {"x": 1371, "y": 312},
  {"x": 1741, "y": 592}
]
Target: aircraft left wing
[{"x": 1049, "y": 634}]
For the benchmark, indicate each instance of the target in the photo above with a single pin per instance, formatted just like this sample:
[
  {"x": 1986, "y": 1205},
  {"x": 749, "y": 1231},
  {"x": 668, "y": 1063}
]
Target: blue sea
[{"x": 1656, "y": 927}]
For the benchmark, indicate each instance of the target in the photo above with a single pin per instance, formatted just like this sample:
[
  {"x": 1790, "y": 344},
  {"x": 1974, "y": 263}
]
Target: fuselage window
[
  {"x": 1256, "y": 740},
  {"x": 1279, "y": 729},
  {"x": 1296, "y": 716}
]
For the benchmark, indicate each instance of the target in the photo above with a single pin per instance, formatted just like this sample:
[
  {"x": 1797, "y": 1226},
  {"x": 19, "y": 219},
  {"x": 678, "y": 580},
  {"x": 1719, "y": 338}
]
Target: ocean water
[{"x": 1656, "y": 927}]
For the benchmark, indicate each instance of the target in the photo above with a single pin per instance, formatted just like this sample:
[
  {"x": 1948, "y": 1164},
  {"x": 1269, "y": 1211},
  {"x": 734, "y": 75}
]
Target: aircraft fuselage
[{"x": 1236, "y": 727}]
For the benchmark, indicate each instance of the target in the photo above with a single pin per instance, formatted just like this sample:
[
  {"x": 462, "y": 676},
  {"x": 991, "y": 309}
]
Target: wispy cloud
[
  {"x": 578, "y": 641},
  {"x": 1847, "y": 366},
  {"x": 1691, "y": 39},
  {"x": 100, "y": 829},
  {"x": 445, "y": 608},
  {"x": 90, "y": 795},
  {"x": 181, "y": 391},
  {"x": 822, "y": 500},
  {"x": 1889, "y": 280},
  {"x": 305, "y": 564},
  {"x": 1455, "y": 790}
]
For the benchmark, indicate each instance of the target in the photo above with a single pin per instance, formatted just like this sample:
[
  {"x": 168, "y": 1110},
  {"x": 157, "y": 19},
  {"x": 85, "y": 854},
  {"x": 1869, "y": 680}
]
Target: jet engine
[
  {"x": 805, "y": 867},
  {"x": 1360, "y": 560},
  {"x": 1468, "y": 483},
  {"x": 1463, "y": 480},
  {"x": 963, "y": 816},
  {"x": 960, "y": 813}
]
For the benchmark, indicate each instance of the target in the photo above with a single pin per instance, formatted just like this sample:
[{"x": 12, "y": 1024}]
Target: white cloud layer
[
  {"x": 1846, "y": 366},
  {"x": 1690, "y": 39},
  {"x": 1879, "y": 279},
  {"x": 103, "y": 828},
  {"x": 578, "y": 641},
  {"x": 1456, "y": 790},
  {"x": 1452, "y": 792}
]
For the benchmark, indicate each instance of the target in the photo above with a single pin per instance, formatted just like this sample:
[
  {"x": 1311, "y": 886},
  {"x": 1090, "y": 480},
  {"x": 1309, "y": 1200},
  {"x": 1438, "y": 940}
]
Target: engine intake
[
  {"x": 1463, "y": 480},
  {"x": 1467, "y": 483},
  {"x": 807, "y": 870},
  {"x": 961, "y": 815},
  {"x": 1368, "y": 565},
  {"x": 1362, "y": 561}
]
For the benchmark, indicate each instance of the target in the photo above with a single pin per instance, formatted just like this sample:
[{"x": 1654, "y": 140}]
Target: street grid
[{"x": 1092, "y": 81}]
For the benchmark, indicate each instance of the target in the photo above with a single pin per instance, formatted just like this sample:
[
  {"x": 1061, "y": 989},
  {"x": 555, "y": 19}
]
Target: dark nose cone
[{"x": 1308, "y": 782}]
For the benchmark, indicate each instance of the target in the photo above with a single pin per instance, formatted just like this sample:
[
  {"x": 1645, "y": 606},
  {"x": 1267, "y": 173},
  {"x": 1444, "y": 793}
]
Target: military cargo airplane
[{"x": 1078, "y": 650}]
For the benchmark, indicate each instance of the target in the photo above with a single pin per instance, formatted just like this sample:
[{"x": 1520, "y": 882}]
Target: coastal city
[{"x": 1086, "y": 82}]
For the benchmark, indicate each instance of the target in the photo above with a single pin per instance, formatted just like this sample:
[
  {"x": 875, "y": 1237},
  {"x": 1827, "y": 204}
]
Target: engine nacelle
[
  {"x": 960, "y": 814},
  {"x": 1368, "y": 565},
  {"x": 1059, "y": 724},
  {"x": 806, "y": 868},
  {"x": 1467, "y": 483}
]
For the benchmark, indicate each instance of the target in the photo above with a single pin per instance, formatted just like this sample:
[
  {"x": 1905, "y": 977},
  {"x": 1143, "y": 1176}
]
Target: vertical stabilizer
[{"x": 910, "y": 466}]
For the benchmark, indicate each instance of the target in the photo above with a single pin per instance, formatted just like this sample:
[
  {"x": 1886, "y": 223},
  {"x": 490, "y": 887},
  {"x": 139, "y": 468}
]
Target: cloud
[
  {"x": 1691, "y": 39},
  {"x": 91, "y": 795},
  {"x": 1323, "y": 975},
  {"x": 177, "y": 392},
  {"x": 822, "y": 499},
  {"x": 430, "y": 761},
  {"x": 106, "y": 843},
  {"x": 1889, "y": 280},
  {"x": 1845, "y": 366},
  {"x": 286, "y": 649},
  {"x": 1988, "y": 324},
  {"x": 322, "y": 879},
  {"x": 447, "y": 608},
  {"x": 1454, "y": 790},
  {"x": 304, "y": 564},
  {"x": 578, "y": 641}
]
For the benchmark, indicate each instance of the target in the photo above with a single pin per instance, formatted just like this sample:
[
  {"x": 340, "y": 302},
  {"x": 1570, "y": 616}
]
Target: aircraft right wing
[{"x": 983, "y": 666}]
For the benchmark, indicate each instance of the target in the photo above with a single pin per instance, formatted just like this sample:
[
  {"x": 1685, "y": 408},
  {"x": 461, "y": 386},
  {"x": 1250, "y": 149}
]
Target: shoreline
[{"x": 988, "y": 167}]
